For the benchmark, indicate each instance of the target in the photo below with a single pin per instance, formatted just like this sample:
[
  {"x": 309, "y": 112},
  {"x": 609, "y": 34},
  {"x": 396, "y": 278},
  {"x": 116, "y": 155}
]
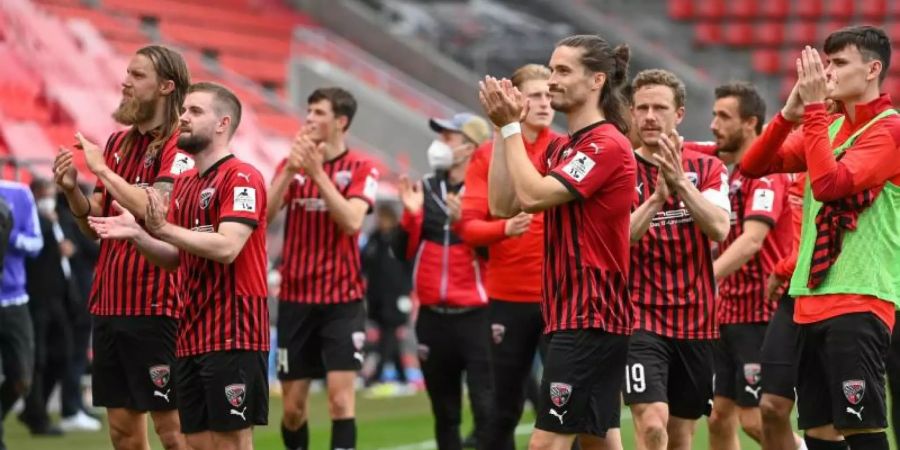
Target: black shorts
[
  {"x": 674, "y": 371},
  {"x": 841, "y": 378},
  {"x": 738, "y": 366},
  {"x": 315, "y": 339},
  {"x": 780, "y": 353},
  {"x": 133, "y": 361},
  {"x": 582, "y": 382},
  {"x": 223, "y": 391},
  {"x": 16, "y": 344}
]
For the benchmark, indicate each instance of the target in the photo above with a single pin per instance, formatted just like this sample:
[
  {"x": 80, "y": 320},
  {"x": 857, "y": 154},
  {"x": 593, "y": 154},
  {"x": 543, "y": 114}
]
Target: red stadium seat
[
  {"x": 707, "y": 33},
  {"x": 743, "y": 9},
  {"x": 767, "y": 61},
  {"x": 739, "y": 34},
  {"x": 769, "y": 33},
  {"x": 893, "y": 30},
  {"x": 895, "y": 63},
  {"x": 802, "y": 33},
  {"x": 261, "y": 70},
  {"x": 839, "y": 8},
  {"x": 681, "y": 9},
  {"x": 710, "y": 9},
  {"x": 873, "y": 9},
  {"x": 893, "y": 9},
  {"x": 774, "y": 9},
  {"x": 810, "y": 9},
  {"x": 222, "y": 41},
  {"x": 212, "y": 15}
]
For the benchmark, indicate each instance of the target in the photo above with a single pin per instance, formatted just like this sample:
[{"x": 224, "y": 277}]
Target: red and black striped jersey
[
  {"x": 320, "y": 262},
  {"x": 586, "y": 240},
  {"x": 223, "y": 305},
  {"x": 742, "y": 295},
  {"x": 673, "y": 287},
  {"x": 126, "y": 283}
]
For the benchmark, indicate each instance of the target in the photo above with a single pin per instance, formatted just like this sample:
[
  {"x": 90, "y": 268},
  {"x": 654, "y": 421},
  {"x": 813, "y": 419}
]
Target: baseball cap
[{"x": 471, "y": 126}]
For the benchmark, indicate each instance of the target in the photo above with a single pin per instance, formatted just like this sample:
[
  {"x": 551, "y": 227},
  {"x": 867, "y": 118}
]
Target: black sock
[
  {"x": 868, "y": 441},
  {"x": 297, "y": 439},
  {"x": 819, "y": 444},
  {"x": 343, "y": 434}
]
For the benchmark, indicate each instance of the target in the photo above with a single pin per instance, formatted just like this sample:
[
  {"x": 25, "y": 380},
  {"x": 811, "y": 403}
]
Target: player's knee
[
  {"x": 752, "y": 425},
  {"x": 340, "y": 405},
  {"x": 654, "y": 434},
  {"x": 294, "y": 415},
  {"x": 775, "y": 409},
  {"x": 124, "y": 438},
  {"x": 720, "y": 421},
  {"x": 170, "y": 436}
]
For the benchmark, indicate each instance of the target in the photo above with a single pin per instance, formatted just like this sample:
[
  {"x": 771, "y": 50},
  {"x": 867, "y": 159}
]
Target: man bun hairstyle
[{"x": 598, "y": 56}]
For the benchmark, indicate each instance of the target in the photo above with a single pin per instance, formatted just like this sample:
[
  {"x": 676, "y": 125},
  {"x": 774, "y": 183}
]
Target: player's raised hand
[
  {"x": 811, "y": 81},
  {"x": 64, "y": 173},
  {"x": 295, "y": 156},
  {"x": 93, "y": 154},
  {"x": 121, "y": 226},
  {"x": 411, "y": 195},
  {"x": 669, "y": 158},
  {"x": 502, "y": 106},
  {"x": 157, "y": 210}
]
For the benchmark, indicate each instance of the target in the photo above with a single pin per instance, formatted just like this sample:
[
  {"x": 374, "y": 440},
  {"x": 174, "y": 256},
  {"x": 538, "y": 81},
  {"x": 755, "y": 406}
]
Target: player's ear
[
  {"x": 224, "y": 125},
  {"x": 166, "y": 87}
]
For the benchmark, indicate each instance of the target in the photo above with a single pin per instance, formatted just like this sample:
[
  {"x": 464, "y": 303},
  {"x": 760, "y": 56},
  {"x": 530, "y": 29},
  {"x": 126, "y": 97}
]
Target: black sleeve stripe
[
  {"x": 567, "y": 184},
  {"x": 252, "y": 223},
  {"x": 760, "y": 218}
]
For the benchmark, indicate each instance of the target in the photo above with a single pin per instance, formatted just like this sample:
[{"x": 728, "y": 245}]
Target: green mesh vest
[{"x": 869, "y": 262}]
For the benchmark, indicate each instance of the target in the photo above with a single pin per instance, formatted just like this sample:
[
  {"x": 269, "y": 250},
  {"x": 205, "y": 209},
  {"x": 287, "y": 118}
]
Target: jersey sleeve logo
[
  {"x": 763, "y": 200},
  {"x": 182, "y": 164},
  {"x": 371, "y": 188},
  {"x": 579, "y": 167},
  {"x": 244, "y": 199},
  {"x": 206, "y": 196}
]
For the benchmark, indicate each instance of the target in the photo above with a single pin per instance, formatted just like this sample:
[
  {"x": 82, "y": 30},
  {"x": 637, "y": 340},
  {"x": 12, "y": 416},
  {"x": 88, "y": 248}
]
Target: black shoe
[
  {"x": 48, "y": 430},
  {"x": 470, "y": 441}
]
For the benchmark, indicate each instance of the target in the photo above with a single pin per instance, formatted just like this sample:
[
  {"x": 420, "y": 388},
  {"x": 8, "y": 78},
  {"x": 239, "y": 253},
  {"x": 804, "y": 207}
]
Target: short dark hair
[
  {"x": 872, "y": 42},
  {"x": 224, "y": 101},
  {"x": 750, "y": 103},
  {"x": 597, "y": 55},
  {"x": 342, "y": 102},
  {"x": 659, "y": 77}
]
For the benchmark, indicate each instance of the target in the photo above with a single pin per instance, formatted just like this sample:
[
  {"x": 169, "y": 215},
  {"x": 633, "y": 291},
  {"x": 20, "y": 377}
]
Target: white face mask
[
  {"x": 46, "y": 205},
  {"x": 440, "y": 155}
]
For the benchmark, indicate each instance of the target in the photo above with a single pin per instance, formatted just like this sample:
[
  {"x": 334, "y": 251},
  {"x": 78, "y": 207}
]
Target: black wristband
[{"x": 86, "y": 213}]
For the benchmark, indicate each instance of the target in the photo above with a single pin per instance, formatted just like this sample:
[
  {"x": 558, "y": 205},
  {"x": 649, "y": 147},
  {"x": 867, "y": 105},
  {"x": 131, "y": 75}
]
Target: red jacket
[{"x": 447, "y": 271}]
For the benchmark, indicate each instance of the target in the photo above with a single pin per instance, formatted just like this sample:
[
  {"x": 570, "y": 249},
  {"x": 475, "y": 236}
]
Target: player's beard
[
  {"x": 193, "y": 143},
  {"x": 132, "y": 111},
  {"x": 732, "y": 144}
]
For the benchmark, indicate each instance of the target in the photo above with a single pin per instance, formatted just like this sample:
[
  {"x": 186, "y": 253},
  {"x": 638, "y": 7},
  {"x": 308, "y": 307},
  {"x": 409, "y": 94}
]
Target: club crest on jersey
[
  {"x": 160, "y": 375},
  {"x": 854, "y": 390},
  {"x": 206, "y": 196},
  {"x": 498, "y": 331},
  {"x": 149, "y": 160},
  {"x": 235, "y": 393},
  {"x": 751, "y": 373},
  {"x": 560, "y": 393},
  {"x": 342, "y": 178}
]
